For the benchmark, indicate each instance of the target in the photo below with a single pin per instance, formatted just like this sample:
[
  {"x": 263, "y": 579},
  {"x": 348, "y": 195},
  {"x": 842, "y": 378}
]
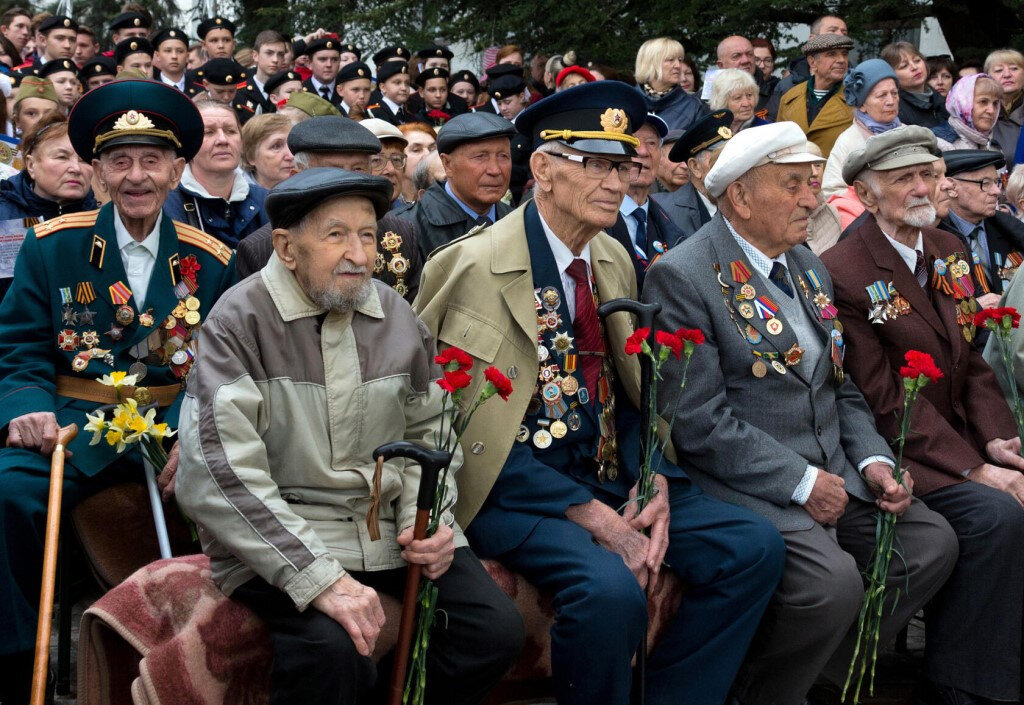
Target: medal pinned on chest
[
  {"x": 1008, "y": 266},
  {"x": 826, "y": 309},
  {"x": 952, "y": 276},
  {"x": 767, "y": 311}
]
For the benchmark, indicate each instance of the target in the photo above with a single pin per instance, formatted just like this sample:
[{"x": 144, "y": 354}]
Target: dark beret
[
  {"x": 427, "y": 74},
  {"x": 395, "y": 52},
  {"x": 391, "y": 68},
  {"x": 129, "y": 46},
  {"x": 332, "y": 43},
  {"x": 295, "y": 197},
  {"x": 212, "y": 23},
  {"x": 98, "y": 66},
  {"x": 959, "y": 161},
  {"x": 353, "y": 72},
  {"x": 435, "y": 51},
  {"x": 167, "y": 34},
  {"x": 464, "y": 76},
  {"x": 506, "y": 87},
  {"x": 470, "y": 127},
  {"x": 499, "y": 70},
  {"x": 129, "y": 20},
  {"x": 57, "y": 22},
  {"x": 279, "y": 79},
  {"x": 222, "y": 72},
  {"x": 331, "y": 133},
  {"x": 56, "y": 66}
]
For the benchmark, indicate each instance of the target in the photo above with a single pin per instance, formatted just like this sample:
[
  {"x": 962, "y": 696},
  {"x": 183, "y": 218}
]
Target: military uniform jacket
[
  {"x": 440, "y": 220},
  {"x": 745, "y": 439},
  {"x": 954, "y": 418},
  {"x": 684, "y": 208},
  {"x": 335, "y": 99},
  {"x": 379, "y": 109},
  {"x": 76, "y": 258},
  {"x": 253, "y": 99}
]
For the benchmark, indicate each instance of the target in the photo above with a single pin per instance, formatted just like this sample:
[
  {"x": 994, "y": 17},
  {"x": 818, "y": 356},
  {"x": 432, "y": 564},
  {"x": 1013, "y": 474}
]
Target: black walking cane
[
  {"x": 431, "y": 463},
  {"x": 645, "y": 317}
]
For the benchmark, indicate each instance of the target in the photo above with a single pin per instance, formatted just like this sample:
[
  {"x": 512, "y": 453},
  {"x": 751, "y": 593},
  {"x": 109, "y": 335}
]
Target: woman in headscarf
[{"x": 974, "y": 103}]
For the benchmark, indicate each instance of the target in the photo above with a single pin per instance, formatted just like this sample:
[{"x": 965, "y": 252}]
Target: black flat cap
[
  {"x": 470, "y": 127},
  {"x": 427, "y": 74},
  {"x": 298, "y": 195},
  {"x": 130, "y": 20},
  {"x": 353, "y": 72},
  {"x": 506, "y": 86},
  {"x": 222, "y": 72},
  {"x": 279, "y": 79},
  {"x": 129, "y": 46},
  {"x": 391, "y": 68},
  {"x": 436, "y": 51},
  {"x": 960, "y": 160},
  {"x": 710, "y": 130},
  {"x": 464, "y": 76},
  {"x": 396, "y": 52},
  {"x": 98, "y": 66},
  {"x": 168, "y": 34},
  {"x": 56, "y": 66},
  {"x": 331, "y": 133},
  {"x": 212, "y": 23},
  {"x": 57, "y": 22}
]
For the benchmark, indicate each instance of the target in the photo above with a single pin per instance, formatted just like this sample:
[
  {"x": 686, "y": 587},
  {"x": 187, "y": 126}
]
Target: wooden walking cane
[
  {"x": 431, "y": 463},
  {"x": 645, "y": 317},
  {"x": 42, "y": 658}
]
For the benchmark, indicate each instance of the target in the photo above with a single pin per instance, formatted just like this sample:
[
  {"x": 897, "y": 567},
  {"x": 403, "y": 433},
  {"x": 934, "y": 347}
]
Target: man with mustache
[{"x": 902, "y": 285}]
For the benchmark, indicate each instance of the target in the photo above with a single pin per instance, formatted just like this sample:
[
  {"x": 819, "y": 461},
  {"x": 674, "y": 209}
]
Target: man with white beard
[{"x": 902, "y": 285}]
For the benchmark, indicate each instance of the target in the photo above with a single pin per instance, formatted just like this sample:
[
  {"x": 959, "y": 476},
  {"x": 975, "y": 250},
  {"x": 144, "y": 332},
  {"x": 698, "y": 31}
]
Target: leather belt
[{"x": 91, "y": 390}]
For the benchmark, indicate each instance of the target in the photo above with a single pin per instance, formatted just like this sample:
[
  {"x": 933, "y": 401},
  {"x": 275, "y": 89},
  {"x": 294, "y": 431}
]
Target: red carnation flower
[
  {"x": 501, "y": 383},
  {"x": 692, "y": 335},
  {"x": 670, "y": 340},
  {"x": 919, "y": 363},
  {"x": 634, "y": 343},
  {"x": 454, "y": 380},
  {"x": 189, "y": 266},
  {"x": 454, "y": 359}
]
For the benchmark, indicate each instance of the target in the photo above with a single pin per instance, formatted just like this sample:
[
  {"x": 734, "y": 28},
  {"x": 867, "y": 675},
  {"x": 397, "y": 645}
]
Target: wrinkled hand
[
  {"x": 988, "y": 300},
  {"x": 35, "y": 431},
  {"x": 892, "y": 496},
  {"x": 355, "y": 607},
  {"x": 1005, "y": 452},
  {"x": 828, "y": 498},
  {"x": 1009, "y": 481},
  {"x": 166, "y": 480},
  {"x": 434, "y": 554},
  {"x": 656, "y": 516},
  {"x": 614, "y": 533}
]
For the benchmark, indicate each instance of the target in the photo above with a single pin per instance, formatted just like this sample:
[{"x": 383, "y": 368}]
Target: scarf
[
  {"x": 967, "y": 132},
  {"x": 656, "y": 94},
  {"x": 872, "y": 125},
  {"x": 960, "y": 102}
]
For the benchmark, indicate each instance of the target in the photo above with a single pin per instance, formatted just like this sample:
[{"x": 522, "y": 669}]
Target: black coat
[
  {"x": 930, "y": 112},
  {"x": 1004, "y": 234},
  {"x": 439, "y": 219},
  {"x": 308, "y": 86},
  {"x": 660, "y": 229},
  {"x": 379, "y": 109},
  {"x": 253, "y": 98}
]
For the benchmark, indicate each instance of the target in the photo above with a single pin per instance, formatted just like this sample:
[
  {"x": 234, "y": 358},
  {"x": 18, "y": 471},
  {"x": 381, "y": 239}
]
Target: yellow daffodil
[
  {"x": 159, "y": 431},
  {"x": 96, "y": 426},
  {"x": 118, "y": 380}
]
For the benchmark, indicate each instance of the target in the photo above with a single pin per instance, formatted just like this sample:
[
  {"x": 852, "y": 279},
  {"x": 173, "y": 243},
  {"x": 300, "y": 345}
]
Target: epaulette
[
  {"x": 206, "y": 243},
  {"x": 83, "y": 219}
]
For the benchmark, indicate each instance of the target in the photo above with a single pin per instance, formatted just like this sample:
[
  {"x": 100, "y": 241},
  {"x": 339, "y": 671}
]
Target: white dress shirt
[
  {"x": 909, "y": 255},
  {"x": 563, "y": 258},
  {"x": 138, "y": 257}
]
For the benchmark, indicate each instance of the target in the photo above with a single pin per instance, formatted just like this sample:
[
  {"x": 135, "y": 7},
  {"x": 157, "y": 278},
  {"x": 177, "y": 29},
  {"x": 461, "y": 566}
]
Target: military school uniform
[
  {"x": 252, "y": 97},
  {"x": 70, "y": 318}
]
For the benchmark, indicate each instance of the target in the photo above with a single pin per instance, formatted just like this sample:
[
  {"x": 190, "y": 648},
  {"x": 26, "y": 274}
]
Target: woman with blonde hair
[
  {"x": 974, "y": 105},
  {"x": 658, "y": 73},
  {"x": 265, "y": 154},
  {"x": 1006, "y": 67}
]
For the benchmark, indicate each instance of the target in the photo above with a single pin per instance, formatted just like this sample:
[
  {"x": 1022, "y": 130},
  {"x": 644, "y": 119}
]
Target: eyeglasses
[
  {"x": 766, "y": 61},
  {"x": 984, "y": 184},
  {"x": 599, "y": 168},
  {"x": 379, "y": 161}
]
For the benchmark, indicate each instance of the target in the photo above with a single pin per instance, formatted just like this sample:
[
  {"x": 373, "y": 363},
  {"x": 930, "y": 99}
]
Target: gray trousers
[{"x": 808, "y": 629}]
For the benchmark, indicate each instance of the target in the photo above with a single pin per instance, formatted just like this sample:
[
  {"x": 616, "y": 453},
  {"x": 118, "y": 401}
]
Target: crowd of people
[{"x": 283, "y": 250}]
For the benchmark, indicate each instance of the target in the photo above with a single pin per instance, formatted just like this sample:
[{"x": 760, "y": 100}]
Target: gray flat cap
[
  {"x": 331, "y": 133},
  {"x": 826, "y": 42},
  {"x": 470, "y": 127},
  {"x": 293, "y": 198},
  {"x": 906, "y": 145}
]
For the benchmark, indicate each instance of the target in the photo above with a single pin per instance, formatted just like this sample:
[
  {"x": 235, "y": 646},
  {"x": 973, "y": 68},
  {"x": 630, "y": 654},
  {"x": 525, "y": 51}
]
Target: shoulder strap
[{"x": 84, "y": 219}]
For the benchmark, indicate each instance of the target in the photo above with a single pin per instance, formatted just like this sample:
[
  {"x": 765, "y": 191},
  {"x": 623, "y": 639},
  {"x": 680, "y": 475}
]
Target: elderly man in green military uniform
[{"x": 119, "y": 289}]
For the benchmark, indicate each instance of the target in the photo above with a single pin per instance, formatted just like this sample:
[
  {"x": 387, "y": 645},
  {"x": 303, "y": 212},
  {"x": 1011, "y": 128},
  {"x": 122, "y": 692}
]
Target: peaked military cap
[
  {"x": 56, "y": 66},
  {"x": 279, "y": 79},
  {"x": 436, "y": 51},
  {"x": 129, "y": 20},
  {"x": 57, "y": 22},
  {"x": 464, "y": 76},
  {"x": 298, "y": 195},
  {"x": 594, "y": 117},
  {"x": 712, "y": 130},
  {"x": 129, "y": 46},
  {"x": 353, "y": 72},
  {"x": 98, "y": 66},
  {"x": 960, "y": 160},
  {"x": 470, "y": 127},
  {"x": 212, "y": 23},
  {"x": 391, "y": 68},
  {"x": 331, "y": 133},
  {"x": 168, "y": 34},
  {"x": 135, "y": 111},
  {"x": 221, "y": 72},
  {"x": 396, "y": 52},
  {"x": 432, "y": 72},
  {"x": 506, "y": 86}
]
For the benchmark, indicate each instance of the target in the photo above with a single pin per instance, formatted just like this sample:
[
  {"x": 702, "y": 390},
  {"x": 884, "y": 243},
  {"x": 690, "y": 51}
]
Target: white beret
[
  {"x": 383, "y": 130},
  {"x": 778, "y": 143}
]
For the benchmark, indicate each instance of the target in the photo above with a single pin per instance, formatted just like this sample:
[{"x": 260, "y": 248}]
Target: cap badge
[
  {"x": 725, "y": 133},
  {"x": 329, "y": 45},
  {"x": 137, "y": 22},
  {"x": 133, "y": 120},
  {"x": 133, "y": 45},
  {"x": 614, "y": 120},
  {"x": 228, "y": 78},
  {"x": 218, "y": 21},
  {"x": 360, "y": 72},
  {"x": 172, "y": 33}
]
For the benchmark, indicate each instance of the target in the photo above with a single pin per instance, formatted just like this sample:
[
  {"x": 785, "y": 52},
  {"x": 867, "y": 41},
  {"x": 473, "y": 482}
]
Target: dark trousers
[
  {"x": 730, "y": 560},
  {"x": 974, "y": 623},
  {"x": 472, "y": 645}
]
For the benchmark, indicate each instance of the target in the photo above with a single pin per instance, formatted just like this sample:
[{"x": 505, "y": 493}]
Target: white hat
[
  {"x": 383, "y": 130},
  {"x": 778, "y": 143}
]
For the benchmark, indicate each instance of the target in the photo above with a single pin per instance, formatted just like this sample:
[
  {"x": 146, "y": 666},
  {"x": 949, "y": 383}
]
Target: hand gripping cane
[
  {"x": 645, "y": 317},
  {"x": 431, "y": 463}
]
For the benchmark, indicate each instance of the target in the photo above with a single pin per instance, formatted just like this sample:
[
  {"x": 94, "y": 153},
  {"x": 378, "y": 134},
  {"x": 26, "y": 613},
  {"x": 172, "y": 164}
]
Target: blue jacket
[
  {"x": 228, "y": 222},
  {"x": 677, "y": 108}
]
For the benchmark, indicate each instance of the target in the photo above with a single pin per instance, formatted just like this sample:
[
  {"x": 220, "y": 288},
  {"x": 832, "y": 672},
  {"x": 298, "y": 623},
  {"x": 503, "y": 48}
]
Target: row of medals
[{"x": 774, "y": 326}]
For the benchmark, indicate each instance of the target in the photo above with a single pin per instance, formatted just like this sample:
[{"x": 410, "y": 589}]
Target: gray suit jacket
[
  {"x": 684, "y": 208},
  {"x": 742, "y": 439}
]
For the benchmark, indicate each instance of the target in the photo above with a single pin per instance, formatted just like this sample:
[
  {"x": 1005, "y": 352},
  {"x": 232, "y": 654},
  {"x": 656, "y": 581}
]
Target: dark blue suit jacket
[{"x": 660, "y": 229}]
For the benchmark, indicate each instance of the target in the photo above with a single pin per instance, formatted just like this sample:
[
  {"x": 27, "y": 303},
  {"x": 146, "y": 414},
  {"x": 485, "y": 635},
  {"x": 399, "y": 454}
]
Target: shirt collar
[
  {"x": 965, "y": 227},
  {"x": 909, "y": 255},
  {"x": 712, "y": 207},
  {"x": 124, "y": 239},
  {"x": 563, "y": 255},
  {"x": 628, "y": 205},
  {"x": 395, "y": 107},
  {"x": 180, "y": 85},
  {"x": 492, "y": 213},
  {"x": 760, "y": 260},
  {"x": 259, "y": 86},
  {"x": 318, "y": 85}
]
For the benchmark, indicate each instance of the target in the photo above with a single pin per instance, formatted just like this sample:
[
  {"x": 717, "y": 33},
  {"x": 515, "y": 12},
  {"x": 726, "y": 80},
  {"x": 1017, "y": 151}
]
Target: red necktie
[{"x": 586, "y": 326}]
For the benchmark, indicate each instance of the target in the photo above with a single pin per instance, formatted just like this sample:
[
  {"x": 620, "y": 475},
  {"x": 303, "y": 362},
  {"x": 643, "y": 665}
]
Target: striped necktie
[{"x": 586, "y": 326}]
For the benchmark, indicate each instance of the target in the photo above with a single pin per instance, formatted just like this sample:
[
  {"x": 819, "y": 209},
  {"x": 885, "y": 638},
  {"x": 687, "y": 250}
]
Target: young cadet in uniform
[
  {"x": 389, "y": 101},
  {"x": 121, "y": 289},
  {"x": 221, "y": 78},
  {"x": 325, "y": 62},
  {"x": 546, "y": 471},
  {"x": 170, "y": 60},
  {"x": 217, "y": 37},
  {"x": 63, "y": 74},
  {"x": 96, "y": 72},
  {"x": 134, "y": 53},
  {"x": 269, "y": 50},
  {"x": 281, "y": 85},
  {"x": 353, "y": 85}
]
